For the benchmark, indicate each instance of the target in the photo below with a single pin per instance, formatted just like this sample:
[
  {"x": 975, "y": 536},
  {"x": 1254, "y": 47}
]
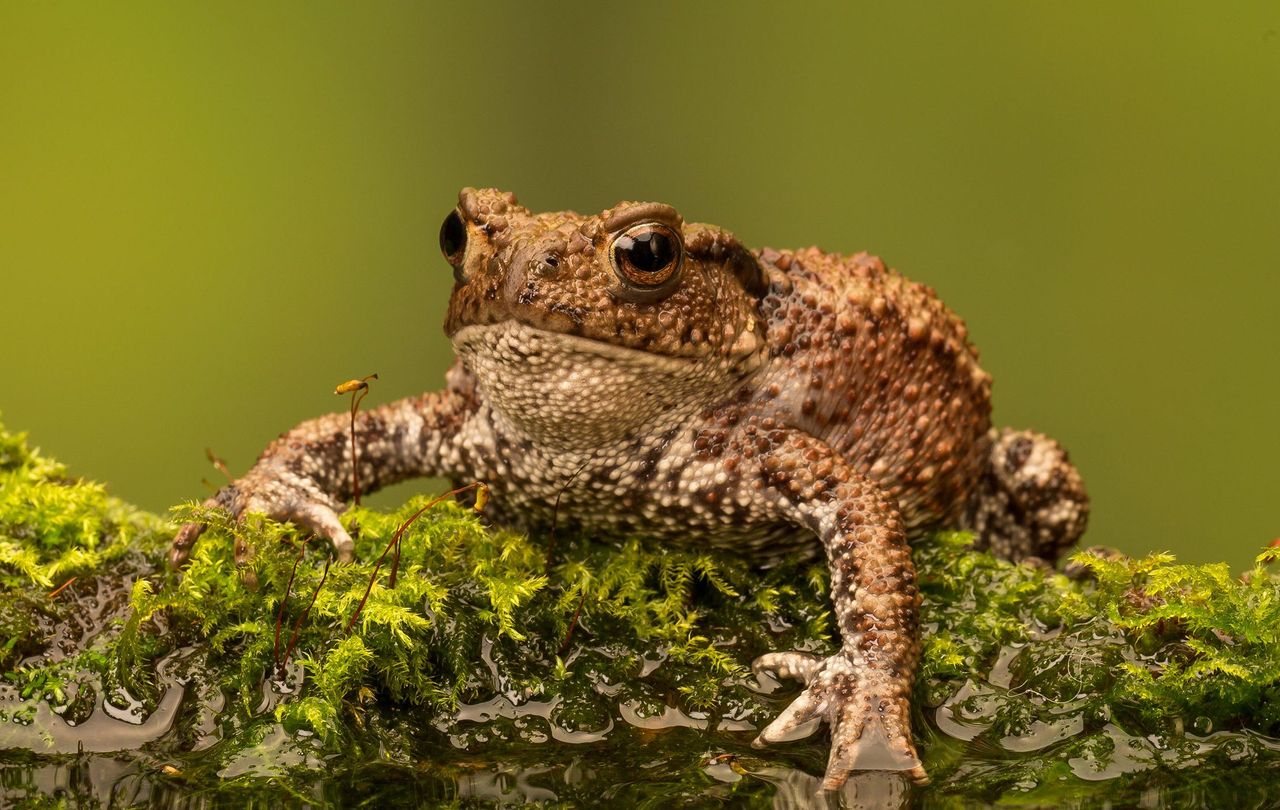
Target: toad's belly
[{"x": 763, "y": 542}]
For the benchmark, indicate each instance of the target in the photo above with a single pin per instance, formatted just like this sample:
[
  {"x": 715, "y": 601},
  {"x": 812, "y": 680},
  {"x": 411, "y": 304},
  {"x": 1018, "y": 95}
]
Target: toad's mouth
[{"x": 514, "y": 340}]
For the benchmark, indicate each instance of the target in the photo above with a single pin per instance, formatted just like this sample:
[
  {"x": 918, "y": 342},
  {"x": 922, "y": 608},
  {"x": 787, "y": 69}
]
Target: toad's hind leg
[{"x": 1031, "y": 501}]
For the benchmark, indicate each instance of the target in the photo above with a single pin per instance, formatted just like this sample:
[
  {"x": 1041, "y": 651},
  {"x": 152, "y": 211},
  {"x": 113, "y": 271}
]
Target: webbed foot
[{"x": 870, "y": 729}]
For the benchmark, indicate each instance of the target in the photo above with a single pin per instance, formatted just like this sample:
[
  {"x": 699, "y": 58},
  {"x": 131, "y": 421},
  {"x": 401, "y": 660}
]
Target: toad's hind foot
[
  {"x": 869, "y": 728},
  {"x": 1031, "y": 501}
]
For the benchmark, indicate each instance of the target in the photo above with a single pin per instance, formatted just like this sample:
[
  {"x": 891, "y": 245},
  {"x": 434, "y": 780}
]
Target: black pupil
[
  {"x": 648, "y": 251},
  {"x": 453, "y": 236}
]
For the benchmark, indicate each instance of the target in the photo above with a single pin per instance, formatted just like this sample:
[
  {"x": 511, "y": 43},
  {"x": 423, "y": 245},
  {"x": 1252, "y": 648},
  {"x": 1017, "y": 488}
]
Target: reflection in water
[
  {"x": 866, "y": 790},
  {"x": 503, "y": 788},
  {"x": 285, "y": 772},
  {"x": 104, "y": 731}
]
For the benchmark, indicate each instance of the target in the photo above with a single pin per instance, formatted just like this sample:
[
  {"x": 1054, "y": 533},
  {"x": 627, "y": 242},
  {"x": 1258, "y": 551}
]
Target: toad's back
[{"x": 877, "y": 366}]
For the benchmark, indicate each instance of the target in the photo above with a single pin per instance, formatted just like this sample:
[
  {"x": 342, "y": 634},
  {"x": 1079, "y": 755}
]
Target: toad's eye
[
  {"x": 647, "y": 255},
  {"x": 453, "y": 237}
]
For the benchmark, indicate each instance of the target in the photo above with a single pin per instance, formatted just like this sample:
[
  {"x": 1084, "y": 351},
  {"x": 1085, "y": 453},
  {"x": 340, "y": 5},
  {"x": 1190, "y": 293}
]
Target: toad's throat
[{"x": 568, "y": 392}]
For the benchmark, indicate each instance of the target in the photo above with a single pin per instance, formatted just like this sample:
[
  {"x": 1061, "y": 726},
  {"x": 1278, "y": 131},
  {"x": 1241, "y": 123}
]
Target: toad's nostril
[{"x": 546, "y": 264}]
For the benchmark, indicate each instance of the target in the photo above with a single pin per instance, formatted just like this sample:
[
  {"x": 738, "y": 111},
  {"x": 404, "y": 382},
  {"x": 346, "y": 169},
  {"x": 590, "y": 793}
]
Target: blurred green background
[{"x": 211, "y": 214}]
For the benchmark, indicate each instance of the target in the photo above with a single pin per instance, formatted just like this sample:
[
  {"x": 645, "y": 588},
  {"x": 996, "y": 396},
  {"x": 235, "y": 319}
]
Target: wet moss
[{"x": 494, "y": 671}]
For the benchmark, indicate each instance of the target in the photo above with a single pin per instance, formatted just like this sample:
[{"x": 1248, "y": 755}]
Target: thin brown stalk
[
  {"x": 53, "y": 594},
  {"x": 218, "y": 464},
  {"x": 275, "y": 655},
  {"x": 481, "y": 497},
  {"x": 358, "y": 389},
  {"x": 297, "y": 626},
  {"x": 573, "y": 623},
  {"x": 555, "y": 515}
]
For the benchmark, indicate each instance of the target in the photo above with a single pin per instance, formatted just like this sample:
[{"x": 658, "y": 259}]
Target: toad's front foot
[
  {"x": 870, "y": 727},
  {"x": 279, "y": 495}
]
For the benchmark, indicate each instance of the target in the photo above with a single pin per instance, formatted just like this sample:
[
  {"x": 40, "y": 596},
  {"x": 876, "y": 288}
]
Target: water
[{"x": 195, "y": 747}]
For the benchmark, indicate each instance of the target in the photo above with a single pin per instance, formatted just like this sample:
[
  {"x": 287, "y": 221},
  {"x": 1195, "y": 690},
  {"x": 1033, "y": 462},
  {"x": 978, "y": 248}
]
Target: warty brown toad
[{"x": 671, "y": 383}]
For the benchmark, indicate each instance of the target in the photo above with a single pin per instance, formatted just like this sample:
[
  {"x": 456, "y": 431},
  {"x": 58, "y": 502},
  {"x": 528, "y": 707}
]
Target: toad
[{"x": 655, "y": 377}]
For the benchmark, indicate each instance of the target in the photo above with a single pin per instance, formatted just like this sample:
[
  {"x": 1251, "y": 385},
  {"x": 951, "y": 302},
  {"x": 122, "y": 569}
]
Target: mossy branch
[{"x": 477, "y": 618}]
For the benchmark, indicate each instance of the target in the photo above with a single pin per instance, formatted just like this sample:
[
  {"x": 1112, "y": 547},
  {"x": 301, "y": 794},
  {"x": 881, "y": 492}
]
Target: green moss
[
  {"x": 615, "y": 670},
  {"x": 53, "y": 526}
]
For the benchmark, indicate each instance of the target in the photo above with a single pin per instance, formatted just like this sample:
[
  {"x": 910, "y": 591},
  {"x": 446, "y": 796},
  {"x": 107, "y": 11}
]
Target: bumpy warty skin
[{"x": 655, "y": 377}]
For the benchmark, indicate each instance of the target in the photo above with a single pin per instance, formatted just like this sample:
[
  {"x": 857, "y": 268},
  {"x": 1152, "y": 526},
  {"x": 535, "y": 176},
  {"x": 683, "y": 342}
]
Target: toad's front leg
[
  {"x": 863, "y": 691},
  {"x": 305, "y": 476}
]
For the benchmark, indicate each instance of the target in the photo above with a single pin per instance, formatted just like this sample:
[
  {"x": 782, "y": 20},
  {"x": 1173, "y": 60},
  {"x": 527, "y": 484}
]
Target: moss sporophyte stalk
[{"x": 490, "y": 671}]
